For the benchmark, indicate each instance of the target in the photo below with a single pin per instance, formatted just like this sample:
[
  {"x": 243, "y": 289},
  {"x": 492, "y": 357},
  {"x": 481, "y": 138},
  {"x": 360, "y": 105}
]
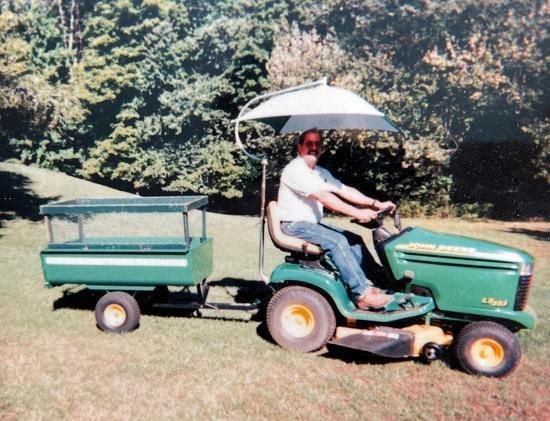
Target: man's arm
[
  {"x": 334, "y": 203},
  {"x": 354, "y": 196}
]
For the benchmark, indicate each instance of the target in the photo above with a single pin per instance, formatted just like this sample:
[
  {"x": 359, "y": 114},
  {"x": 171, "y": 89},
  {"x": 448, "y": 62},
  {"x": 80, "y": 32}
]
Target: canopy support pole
[{"x": 263, "y": 276}]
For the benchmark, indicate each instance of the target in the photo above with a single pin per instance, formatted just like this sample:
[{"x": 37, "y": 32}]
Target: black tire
[
  {"x": 117, "y": 312},
  {"x": 487, "y": 349},
  {"x": 431, "y": 352},
  {"x": 300, "y": 319}
]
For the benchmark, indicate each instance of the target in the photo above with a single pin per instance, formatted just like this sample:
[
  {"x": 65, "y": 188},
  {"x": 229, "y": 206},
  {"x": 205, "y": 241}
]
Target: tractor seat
[{"x": 287, "y": 242}]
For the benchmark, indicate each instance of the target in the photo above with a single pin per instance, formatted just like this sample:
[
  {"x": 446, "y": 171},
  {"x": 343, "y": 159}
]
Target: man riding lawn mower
[
  {"x": 304, "y": 190},
  {"x": 447, "y": 291}
]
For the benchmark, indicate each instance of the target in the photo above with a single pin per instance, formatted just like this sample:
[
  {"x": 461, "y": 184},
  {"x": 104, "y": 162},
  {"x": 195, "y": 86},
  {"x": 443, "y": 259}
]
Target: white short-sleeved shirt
[{"x": 298, "y": 182}]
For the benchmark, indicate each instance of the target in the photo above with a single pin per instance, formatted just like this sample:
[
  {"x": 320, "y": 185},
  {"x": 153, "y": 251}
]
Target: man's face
[{"x": 312, "y": 147}]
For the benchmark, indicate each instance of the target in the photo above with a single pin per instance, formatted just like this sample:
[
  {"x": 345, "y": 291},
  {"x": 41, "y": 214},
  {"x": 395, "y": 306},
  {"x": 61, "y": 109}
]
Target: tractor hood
[
  {"x": 463, "y": 275},
  {"x": 421, "y": 241}
]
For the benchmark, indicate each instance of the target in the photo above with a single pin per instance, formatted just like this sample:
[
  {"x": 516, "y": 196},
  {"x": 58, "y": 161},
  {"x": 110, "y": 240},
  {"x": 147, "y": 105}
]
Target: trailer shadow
[
  {"x": 76, "y": 299},
  {"x": 240, "y": 291}
]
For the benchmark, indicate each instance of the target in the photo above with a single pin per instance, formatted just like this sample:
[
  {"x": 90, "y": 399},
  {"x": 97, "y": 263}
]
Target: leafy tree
[
  {"x": 379, "y": 163},
  {"x": 140, "y": 93},
  {"x": 39, "y": 104},
  {"x": 455, "y": 75},
  {"x": 163, "y": 98}
]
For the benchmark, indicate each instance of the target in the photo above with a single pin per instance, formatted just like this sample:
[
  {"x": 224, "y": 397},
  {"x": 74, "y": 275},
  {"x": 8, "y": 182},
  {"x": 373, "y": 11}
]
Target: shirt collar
[{"x": 301, "y": 160}]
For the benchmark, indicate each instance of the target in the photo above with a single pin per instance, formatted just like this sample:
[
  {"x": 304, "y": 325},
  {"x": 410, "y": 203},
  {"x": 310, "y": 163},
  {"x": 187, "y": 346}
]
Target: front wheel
[
  {"x": 300, "y": 319},
  {"x": 117, "y": 312},
  {"x": 488, "y": 349}
]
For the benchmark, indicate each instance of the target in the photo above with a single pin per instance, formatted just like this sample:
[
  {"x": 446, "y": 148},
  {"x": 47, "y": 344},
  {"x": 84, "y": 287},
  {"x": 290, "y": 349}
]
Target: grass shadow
[
  {"x": 535, "y": 234},
  {"x": 17, "y": 200}
]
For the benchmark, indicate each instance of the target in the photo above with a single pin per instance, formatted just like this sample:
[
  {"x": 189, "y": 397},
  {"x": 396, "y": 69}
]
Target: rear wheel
[
  {"x": 488, "y": 349},
  {"x": 117, "y": 312},
  {"x": 300, "y": 319}
]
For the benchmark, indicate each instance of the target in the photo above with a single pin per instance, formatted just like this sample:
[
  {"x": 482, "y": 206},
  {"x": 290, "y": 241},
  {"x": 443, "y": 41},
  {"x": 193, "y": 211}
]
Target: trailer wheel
[
  {"x": 487, "y": 349},
  {"x": 300, "y": 319},
  {"x": 117, "y": 312}
]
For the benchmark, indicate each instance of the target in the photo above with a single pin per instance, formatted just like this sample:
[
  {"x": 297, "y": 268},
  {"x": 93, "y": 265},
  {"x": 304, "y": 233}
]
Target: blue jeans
[{"x": 346, "y": 250}]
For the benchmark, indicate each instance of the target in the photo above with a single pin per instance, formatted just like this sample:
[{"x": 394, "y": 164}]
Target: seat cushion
[{"x": 283, "y": 241}]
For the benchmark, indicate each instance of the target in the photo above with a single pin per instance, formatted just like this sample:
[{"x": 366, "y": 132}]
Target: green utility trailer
[
  {"x": 89, "y": 244},
  {"x": 137, "y": 263}
]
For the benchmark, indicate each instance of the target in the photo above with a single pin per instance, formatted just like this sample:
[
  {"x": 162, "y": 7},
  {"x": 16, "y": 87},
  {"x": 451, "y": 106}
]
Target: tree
[
  {"x": 468, "y": 76},
  {"x": 39, "y": 103},
  {"x": 162, "y": 99},
  {"x": 140, "y": 94}
]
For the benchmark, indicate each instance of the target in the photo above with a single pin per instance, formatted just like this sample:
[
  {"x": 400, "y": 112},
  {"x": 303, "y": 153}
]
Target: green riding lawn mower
[{"x": 450, "y": 292}]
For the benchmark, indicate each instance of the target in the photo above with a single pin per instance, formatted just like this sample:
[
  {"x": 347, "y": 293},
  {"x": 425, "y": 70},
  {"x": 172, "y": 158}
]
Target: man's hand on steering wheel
[
  {"x": 384, "y": 205},
  {"x": 365, "y": 215}
]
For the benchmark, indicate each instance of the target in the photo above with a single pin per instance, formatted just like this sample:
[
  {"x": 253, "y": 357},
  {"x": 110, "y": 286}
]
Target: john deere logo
[{"x": 437, "y": 248}]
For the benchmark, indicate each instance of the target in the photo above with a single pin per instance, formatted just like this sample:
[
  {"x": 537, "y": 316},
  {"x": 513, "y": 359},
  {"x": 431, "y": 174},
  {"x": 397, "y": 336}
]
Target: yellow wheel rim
[
  {"x": 114, "y": 315},
  {"x": 298, "y": 320},
  {"x": 487, "y": 352}
]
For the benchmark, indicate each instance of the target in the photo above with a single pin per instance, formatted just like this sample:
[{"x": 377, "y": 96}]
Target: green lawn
[{"x": 55, "y": 364}]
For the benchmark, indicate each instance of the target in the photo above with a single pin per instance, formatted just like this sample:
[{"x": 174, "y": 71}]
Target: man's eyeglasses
[{"x": 311, "y": 143}]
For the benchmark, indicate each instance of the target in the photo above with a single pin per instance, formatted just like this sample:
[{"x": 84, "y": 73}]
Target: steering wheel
[{"x": 379, "y": 220}]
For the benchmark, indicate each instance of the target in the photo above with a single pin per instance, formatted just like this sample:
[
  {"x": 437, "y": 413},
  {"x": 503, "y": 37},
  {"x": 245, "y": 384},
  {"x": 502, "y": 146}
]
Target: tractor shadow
[
  {"x": 352, "y": 356},
  {"x": 17, "y": 200},
  {"x": 535, "y": 234},
  {"x": 239, "y": 291},
  {"x": 358, "y": 357}
]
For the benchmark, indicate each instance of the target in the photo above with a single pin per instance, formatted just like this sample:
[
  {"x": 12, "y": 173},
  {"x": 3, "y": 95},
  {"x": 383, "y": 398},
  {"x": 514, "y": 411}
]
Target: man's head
[{"x": 310, "y": 146}]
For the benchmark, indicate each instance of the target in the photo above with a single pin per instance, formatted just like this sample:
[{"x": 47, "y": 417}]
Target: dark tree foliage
[{"x": 140, "y": 94}]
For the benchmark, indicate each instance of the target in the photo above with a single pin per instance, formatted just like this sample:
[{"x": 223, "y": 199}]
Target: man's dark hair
[{"x": 303, "y": 135}]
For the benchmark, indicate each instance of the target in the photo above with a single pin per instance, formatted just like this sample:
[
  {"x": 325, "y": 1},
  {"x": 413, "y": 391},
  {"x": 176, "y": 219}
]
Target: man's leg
[
  {"x": 337, "y": 246},
  {"x": 373, "y": 271}
]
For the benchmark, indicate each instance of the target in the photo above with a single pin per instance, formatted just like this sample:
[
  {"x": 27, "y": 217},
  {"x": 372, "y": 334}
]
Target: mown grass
[{"x": 55, "y": 364}]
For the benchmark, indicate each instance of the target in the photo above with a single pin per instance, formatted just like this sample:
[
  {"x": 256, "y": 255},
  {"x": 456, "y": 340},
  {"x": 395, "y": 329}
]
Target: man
[{"x": 304, "y": 190}]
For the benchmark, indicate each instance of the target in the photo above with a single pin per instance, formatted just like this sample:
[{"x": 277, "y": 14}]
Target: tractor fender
[{"x": 321, "y": 280}]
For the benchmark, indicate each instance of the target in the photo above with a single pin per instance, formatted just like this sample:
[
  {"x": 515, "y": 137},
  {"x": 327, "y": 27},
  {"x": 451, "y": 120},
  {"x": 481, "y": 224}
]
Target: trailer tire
[
  {"x": 487, "y": 349},
  {"x": 117, "y": 312},
  {"x": 300, "y": 319}
]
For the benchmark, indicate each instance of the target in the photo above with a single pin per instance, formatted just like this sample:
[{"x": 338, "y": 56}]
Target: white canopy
[{"x": 322, "y": 107}]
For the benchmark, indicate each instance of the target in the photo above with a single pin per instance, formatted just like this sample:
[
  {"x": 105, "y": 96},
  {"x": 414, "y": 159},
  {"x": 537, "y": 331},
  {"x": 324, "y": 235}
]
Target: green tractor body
[
  {"x": 452, "y": 277},
  {"x": 464, "y": 276},
  {"x": 449, "y": 290}
]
